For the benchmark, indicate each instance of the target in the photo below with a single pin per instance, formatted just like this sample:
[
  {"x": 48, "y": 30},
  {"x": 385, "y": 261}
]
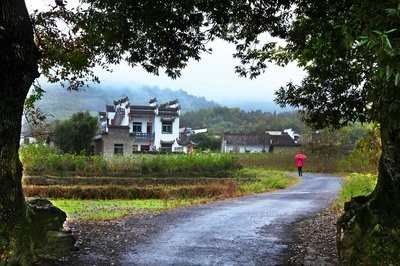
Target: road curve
[{"x": 243, "y": 231}]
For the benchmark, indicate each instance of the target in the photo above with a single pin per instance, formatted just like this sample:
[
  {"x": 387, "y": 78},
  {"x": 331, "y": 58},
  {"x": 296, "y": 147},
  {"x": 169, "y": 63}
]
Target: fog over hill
[{"x": 61, "y": 103}]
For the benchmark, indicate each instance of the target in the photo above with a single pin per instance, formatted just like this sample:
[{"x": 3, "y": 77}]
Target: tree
[
  {"x": 350, "y": 50},
  {"x": 206, "y": 141},
  {"x": 19, "y": 56},
  {"x": 75, "y": 134},
  {"x": 327, "y": 145},
  {"x": 65, "y": 44}
]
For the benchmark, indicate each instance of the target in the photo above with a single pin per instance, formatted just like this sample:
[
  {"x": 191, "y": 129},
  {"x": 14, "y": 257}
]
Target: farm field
[{"x": 93, "y": 187}]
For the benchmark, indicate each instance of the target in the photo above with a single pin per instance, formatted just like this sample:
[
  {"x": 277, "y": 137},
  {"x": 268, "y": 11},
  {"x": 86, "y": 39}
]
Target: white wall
[
  {"x": 243, "y": 148},
  {"x": 159, "y": 136}
]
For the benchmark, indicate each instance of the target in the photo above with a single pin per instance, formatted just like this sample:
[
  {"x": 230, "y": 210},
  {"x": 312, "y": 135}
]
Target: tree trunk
[
  {"x": 18, "y": 69},
  {"x": 369, "y": 230}
]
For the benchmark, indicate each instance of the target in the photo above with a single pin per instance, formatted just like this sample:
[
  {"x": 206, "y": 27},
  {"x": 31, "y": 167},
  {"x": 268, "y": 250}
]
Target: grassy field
[
  {"x": 254, "y": 181},
  {"x": 109, "y": 209}
]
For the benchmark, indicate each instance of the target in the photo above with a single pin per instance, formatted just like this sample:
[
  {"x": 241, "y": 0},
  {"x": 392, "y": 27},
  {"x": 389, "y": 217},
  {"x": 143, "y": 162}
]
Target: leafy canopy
[
  {"x": 350, "y": 49},
  {"x": 154, "y": 34},
  {"x": 75, "y": 134}
]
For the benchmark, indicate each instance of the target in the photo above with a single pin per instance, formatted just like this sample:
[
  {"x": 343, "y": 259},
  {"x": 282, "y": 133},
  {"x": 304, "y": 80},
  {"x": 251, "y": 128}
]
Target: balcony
[{"x": 142, "y": 136}]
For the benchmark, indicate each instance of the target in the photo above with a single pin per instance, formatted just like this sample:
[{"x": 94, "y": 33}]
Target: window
[
  {"x": 167, "y": 127},
  {"x": 119, "y": 149},
  {"x": 137, "y": 127},
  {"x": 135, "y": 148},
  {"x": 145, "y": 147}
]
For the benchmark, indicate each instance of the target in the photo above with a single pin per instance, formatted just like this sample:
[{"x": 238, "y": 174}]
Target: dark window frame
[
  {"x": 166, "y": 127},
  {"x": 119, "y": 148}
]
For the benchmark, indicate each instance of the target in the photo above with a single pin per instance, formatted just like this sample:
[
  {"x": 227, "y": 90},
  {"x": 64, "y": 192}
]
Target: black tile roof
[
  {"x": 282, "y": 140},
  {"x": 110, "y": 108},
  {"x": 142, "y": 110},
  {"x": 246, "y": 138},
  {"x": 257, "y": 138}
]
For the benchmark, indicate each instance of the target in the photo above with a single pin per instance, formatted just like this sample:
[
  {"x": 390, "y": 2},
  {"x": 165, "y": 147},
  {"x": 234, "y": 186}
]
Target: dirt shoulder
[{"x": 313, "y": 240}]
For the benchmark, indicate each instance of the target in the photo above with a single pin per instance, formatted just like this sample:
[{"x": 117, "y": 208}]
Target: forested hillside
[
  {"x": 61, "y": 104},
  {"x": 221, "y": 119},
  {"x": 197, "y": 112}
]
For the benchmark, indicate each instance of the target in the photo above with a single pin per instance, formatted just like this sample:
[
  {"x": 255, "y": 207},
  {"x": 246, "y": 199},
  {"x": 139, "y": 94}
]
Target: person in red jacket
[{"x": 300, "y": 162}]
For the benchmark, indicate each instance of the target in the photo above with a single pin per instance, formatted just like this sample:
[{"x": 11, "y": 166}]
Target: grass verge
[
  {"x": 356, "y": 184},
  {"x": 109, "y": 209}
]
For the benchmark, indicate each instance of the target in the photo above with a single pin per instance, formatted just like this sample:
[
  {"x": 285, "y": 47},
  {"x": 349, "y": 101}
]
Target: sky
[{"x": 212, "y": 77}]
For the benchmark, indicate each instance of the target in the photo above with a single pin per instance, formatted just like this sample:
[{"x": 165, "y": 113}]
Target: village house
[
  {"x": 262, "y": 141},
  {"x": 127, "y": 129}
]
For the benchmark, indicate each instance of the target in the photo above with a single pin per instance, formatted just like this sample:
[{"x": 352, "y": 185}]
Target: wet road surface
[{"x": 244, "y": 231}]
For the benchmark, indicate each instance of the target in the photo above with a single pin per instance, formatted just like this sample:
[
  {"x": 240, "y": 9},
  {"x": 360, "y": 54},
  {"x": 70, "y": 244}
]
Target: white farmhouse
[
  {"x": 127, "y": 129},
  {"x": 262, "y": 141}
]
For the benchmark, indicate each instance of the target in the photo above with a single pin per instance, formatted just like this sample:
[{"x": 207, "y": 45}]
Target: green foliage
[
  {"x": 190, "y": 165},
  {"x": 357, "y": 185},
  {"x": 370, "y": 146},
  {"x": 207, "y": 141},
  {"x": 222, "y": 119},
  {"x": 34, "y": 157},
  {"x": 41, "y": 159},
  {"x": 264, "y": 180},
  {"x": 364, "y": 158},
  {"x": 351, "y": 62},
  {"x": 283, "y": 161},
  {"x": 75, "y": 134},
  {"x": 316, "y": 162}
]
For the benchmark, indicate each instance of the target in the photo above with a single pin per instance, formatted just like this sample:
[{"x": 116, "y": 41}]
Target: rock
[
  {"x": 50, "y": 238},
  {"x": 46, "y": 214}
]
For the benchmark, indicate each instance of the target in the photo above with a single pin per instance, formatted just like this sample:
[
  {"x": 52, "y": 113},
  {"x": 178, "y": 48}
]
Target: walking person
[{"x": 300, "y": 162}]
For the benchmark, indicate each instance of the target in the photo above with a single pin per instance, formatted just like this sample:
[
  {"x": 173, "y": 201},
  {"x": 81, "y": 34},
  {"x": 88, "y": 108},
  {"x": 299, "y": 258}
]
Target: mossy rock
[
  {"x": 51, "y": 240},
  {"x": 46, "y": 214}
]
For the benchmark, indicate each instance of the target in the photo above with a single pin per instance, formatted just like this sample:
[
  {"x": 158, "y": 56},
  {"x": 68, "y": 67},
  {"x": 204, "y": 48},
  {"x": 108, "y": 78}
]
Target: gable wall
[{"x": 117, "y": 136}]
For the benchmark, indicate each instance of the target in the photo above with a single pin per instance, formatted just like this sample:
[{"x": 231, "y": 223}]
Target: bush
[
  {"x": 357, "y": 185},
  {"x": 34, "y": 157}
]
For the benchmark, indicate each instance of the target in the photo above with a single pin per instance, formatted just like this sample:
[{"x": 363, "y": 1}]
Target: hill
[
  {"x": 60, "y": 103},
  {"x": 222, "y": 119}
]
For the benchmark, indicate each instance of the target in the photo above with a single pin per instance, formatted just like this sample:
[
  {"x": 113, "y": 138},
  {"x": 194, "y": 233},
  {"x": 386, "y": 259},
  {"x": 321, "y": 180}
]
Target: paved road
[{"x": 243, "y": 231}]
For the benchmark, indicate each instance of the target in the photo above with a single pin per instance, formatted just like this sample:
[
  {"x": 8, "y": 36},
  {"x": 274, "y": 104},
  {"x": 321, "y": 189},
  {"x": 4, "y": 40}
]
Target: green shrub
[
  {"x": 357, "y": 185},
  {"x": 263, "y": 180},
  {"x": 34, "y": 157}
]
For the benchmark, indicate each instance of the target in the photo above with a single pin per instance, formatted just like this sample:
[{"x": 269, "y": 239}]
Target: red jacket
[{"x": 299, "y": 162}]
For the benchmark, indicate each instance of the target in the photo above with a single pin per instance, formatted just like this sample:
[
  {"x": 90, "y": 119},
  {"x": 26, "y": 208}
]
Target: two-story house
[{"x": 126, "y": 128}]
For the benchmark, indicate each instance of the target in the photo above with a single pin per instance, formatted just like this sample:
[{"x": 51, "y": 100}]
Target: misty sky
[{"x": 212, "y": 77}]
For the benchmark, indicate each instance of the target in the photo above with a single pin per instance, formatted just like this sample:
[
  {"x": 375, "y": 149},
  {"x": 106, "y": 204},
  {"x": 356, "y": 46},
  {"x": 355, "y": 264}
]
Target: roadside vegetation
[{"x": 355, "y": 185}]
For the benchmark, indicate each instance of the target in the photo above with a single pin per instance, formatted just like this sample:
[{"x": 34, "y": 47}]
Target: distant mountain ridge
[{"x": 61, "y": 104}]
